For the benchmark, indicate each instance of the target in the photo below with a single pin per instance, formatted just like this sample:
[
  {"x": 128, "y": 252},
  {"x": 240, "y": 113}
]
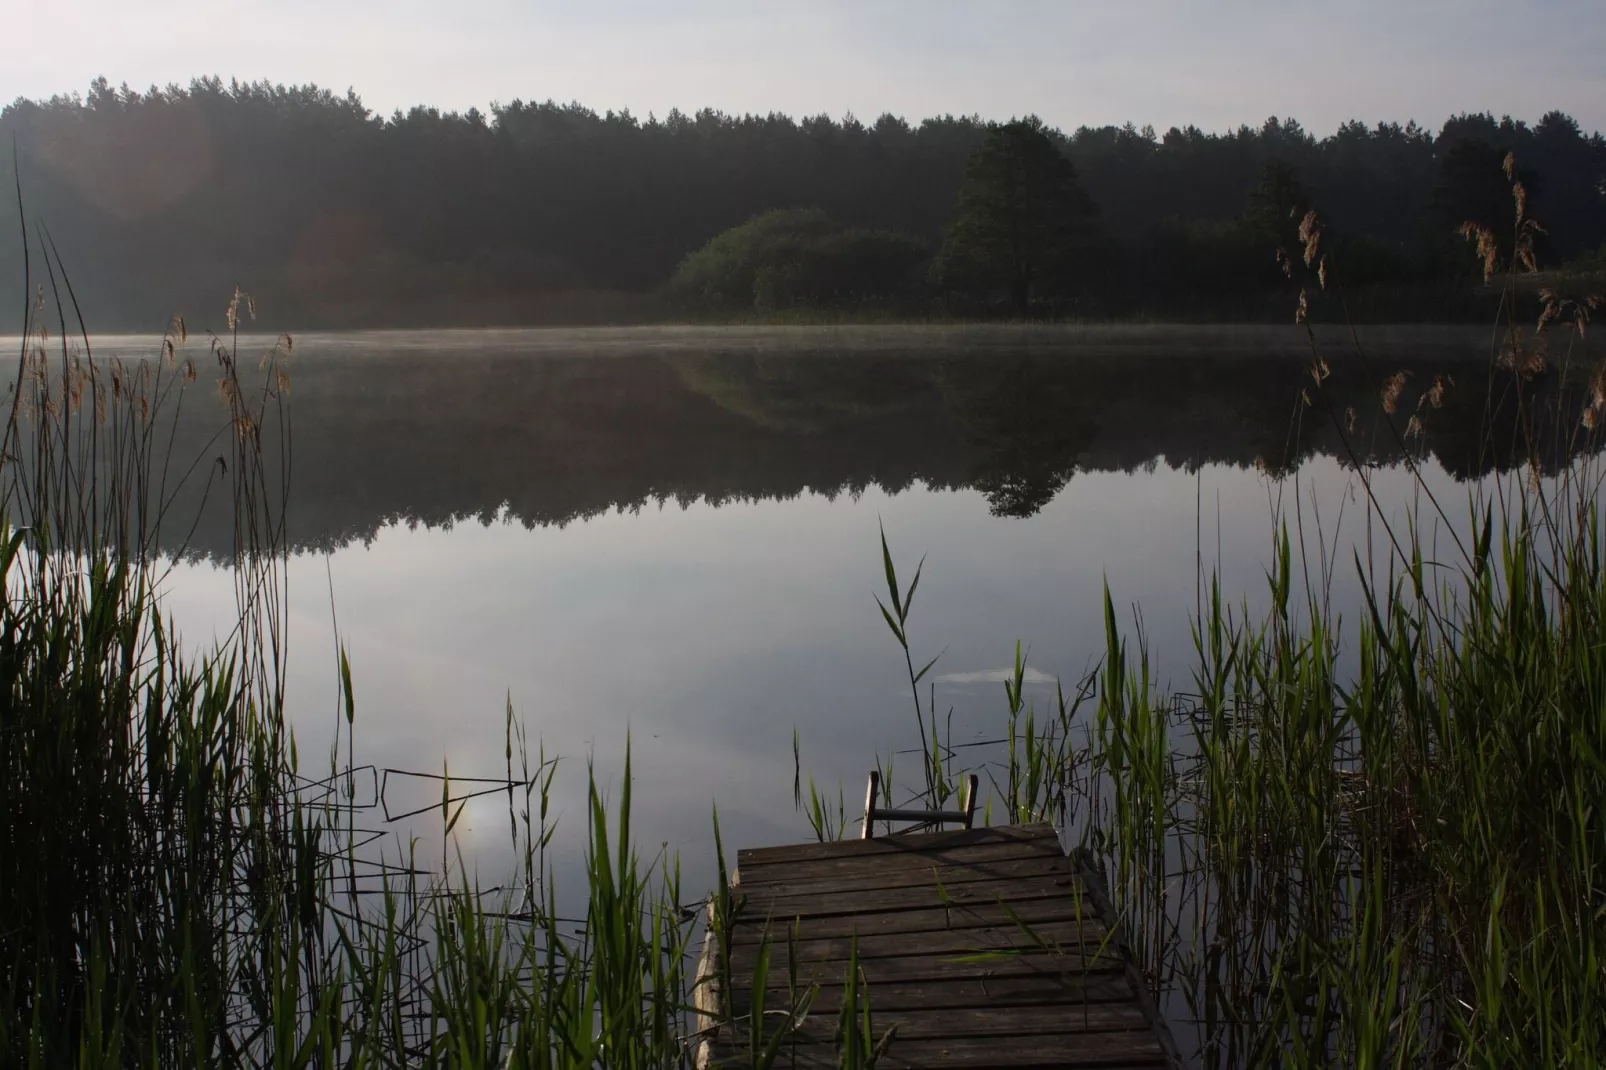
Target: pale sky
[{"x": 1215, "y": 64}]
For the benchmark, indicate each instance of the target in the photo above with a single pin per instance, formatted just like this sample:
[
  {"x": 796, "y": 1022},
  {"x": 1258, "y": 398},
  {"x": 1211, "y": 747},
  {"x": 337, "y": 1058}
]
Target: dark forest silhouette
[{"x": 332, "y": 215}]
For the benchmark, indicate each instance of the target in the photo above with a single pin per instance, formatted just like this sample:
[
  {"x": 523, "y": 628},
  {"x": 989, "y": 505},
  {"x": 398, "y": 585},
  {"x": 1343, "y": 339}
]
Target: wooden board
[
  {"x": 812, "y": 877},
  {"x": 1076, "y": 989},
  {"x": 969, "y": 1023},
  {"x": 981, "y": 947},
  {"x": 1073, "y": 937},
  {"x": 750, "y": 930},
  {"x": 1109, "y": 1051},
  {"x": 919, "y": 843},
  {"x": 977, "y": 893}
]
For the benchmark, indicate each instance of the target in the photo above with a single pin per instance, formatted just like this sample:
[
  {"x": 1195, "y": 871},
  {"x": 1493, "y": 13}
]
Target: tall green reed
[
  {"x": 1376, "y": 841},
  {"x": 151, "y": 870},
  {"x": 174, "y": 891}
]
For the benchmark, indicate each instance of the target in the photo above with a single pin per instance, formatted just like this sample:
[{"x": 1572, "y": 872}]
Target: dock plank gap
[{"x": 976, "y": 947}]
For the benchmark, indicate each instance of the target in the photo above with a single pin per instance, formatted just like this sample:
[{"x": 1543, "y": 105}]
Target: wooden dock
[{"x": 980, "y": 947}]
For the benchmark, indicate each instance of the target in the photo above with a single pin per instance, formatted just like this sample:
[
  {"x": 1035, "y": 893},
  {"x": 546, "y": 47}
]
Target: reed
[
  {"x": 1372, "y": 841},
  {"x": 1377, "y": 841},
  {"x": 1396, "y": 865},
  {"x": 174, "y": 890},
  {"x": 1368, "y": 842}
]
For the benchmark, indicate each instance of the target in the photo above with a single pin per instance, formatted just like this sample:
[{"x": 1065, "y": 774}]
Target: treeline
[{"x": 335, "y": 216}]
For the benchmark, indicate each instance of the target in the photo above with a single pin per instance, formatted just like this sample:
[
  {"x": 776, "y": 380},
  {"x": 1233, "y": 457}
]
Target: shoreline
[{"x": 1235, "y": 340}]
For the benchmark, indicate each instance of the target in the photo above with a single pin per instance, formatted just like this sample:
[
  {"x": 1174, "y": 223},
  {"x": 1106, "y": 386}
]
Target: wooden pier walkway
[{"x": 980, "y": 947}]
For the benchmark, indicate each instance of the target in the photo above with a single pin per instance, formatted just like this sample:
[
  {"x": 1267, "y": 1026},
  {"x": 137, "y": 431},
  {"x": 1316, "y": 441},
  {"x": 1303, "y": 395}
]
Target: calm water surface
[{"x": 672, "y": 536}]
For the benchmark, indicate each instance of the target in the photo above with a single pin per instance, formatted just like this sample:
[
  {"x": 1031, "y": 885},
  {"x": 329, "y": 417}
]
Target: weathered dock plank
[
  {"x": 978, "y": 947},
  {"x": 797, "y": 881}
]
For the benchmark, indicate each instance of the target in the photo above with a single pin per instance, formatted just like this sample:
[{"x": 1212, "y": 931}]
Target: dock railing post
[
  {"x": 965, "y": 816},
  {"x": 870, "y": 793}
]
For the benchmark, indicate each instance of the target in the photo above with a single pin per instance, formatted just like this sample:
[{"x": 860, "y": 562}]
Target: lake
[{"x": 671, "y": 535}]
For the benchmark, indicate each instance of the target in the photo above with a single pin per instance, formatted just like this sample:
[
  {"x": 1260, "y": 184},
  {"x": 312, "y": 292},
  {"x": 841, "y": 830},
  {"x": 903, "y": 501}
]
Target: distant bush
[
  {"x": 799, "y": 257},
  {"x": 1591, "y": 262}
]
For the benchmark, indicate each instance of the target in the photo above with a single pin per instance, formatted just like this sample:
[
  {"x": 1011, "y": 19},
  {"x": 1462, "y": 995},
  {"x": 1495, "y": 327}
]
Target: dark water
[{"x": 672, "y": 535}]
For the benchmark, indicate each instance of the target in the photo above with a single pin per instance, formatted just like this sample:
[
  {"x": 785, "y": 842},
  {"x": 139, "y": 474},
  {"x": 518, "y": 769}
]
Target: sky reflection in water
[{"x": 706, "y": 634}]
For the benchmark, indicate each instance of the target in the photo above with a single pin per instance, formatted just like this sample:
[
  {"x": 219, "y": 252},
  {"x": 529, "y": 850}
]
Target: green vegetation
[
  {"x": 173, "y": 891},
  {"x": 799, "y": 258},
  {"x": 552, "y": 213},
  {"x": 1399, "y": 864},
  {"x": 1593, "y": 262},
  {"x": 1371, "y": 842},
  {"x": 1023, "y": 224},
  {"x": 1358, "y": 842},
  {"x": 1399, "y": 867}
]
